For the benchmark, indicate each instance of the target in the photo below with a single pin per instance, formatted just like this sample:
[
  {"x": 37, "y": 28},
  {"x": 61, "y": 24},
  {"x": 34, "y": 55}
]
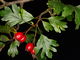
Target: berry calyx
[
  {"x": 18, "y": 35},
  {"x": 33, "y": 51},
  {"x": 29, "y": 47}
]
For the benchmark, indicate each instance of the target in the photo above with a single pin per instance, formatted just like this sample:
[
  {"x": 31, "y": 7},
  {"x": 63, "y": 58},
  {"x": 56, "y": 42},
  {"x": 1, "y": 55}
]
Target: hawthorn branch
[
  {"x": 35, "y": 36},
  {"x": 13, "y": 2},
  {"x": 39, "y": 19},
  {"x": 36, "y": 25}
]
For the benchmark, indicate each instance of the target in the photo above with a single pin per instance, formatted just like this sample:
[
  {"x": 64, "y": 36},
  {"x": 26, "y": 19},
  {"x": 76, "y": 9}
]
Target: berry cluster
[{"x": 22, "y": 38}]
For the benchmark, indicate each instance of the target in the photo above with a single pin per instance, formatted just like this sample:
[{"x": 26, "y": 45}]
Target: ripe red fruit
[
  {"x": 23, "y": 39},
  {"x": 18, "y": 35},
  {"x": 29, "y": 47},
  {"x": 33, "y": 51}
]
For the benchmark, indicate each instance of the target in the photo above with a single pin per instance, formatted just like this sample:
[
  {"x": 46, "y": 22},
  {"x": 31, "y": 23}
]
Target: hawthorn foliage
[{"x": 14, "y": 16}]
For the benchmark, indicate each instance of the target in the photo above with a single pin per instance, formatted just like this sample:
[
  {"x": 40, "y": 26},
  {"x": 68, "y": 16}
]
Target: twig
[
  {"x": 51, "y": 13},
  {"x": 14, "y": 2},
  {"x": 35, "y": 36},
  {"x": 39, "y": 19},
  {"x": 40, "y": 16},
  {"x": 17, "y": 28},
  {"x": 29, "y": 29},
  {"x": 10, "y": 35}
]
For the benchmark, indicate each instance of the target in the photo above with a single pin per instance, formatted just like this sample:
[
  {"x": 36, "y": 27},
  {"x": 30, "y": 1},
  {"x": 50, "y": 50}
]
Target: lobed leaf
[
  {"x": 13, "y": 51},
  {"x": 45, "y": 46},
  {"x": 57, "y": 24},
  {"x": 77, "y": 17},
  {"x": 68, "y": 10},
  {"x": 53, "y": 49},
  {"x": 49, "y": 54},
  {"x": 4, "y": 38},
  {"x": 26, "y": 16},
  {"x": 47, "y": 26},
  {"x": 57, "y": 6},
  {"x": 54, "y": 43},
  {"x": 42, "y": 54},
  {"x": 16, "y": 16},
  {"x": 5, "y": 12},
  {"x": 16, "y": 9},
  {"x": 11, "y": 19}
]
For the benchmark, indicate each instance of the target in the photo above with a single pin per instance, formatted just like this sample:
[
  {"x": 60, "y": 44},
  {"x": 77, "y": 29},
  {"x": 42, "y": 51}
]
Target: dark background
[{"x": 69, "y": 48}]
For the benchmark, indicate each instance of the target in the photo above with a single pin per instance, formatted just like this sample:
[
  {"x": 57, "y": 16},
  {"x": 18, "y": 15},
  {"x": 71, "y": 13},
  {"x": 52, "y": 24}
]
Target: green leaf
[
  {"x": 45, "y": 45},
  {"x": 2, "y": 45},
  {"x": 49, "y": 54},
  {"x": 54, "y": 43},
  {"x": 30, "y": 38},
  {"x": 4, "y": 29},
  {"x": 56, "y": 5},
  {"x": 77, "y": 17},
  {"x": 16, "y": 17},
  {"x": 47, "y": 26},
  {"x": 26, "y": 16},
  {"x": 16, "y": 43},
  {"x": 68, "y": 10},
  {"x": 42, "y": 54},
  {"x": 53, "y": 49},
  {"x": 4, "y": 38},
  {"x": 5, "y": 12},
  {"x": 58, "y": 25},
  {"x": 12, "y": 19},
  {"x": 15, "y": 9},
  {"x": 40, "y": 42},
  {"x": 70, "y": 17},
  {"x": 13, "y": 51},
  {"x": 37, "y": 50}
]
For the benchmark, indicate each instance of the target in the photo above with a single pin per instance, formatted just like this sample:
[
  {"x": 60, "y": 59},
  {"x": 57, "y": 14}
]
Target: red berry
[
  {"x": 23, "y": 39},
  {"x": 18, "y": 35},
  {"x": 33, "y": 51},
  {"x": 29, "y": 47}
]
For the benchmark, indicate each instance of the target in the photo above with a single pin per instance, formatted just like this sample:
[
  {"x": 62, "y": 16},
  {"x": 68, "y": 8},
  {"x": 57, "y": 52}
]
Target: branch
[
  {"x": 39, "y": 19},
  {"x": 14, "y": 2},
  {"x": 34, "y": 40},
  {"x": 40, "y": 16}
]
